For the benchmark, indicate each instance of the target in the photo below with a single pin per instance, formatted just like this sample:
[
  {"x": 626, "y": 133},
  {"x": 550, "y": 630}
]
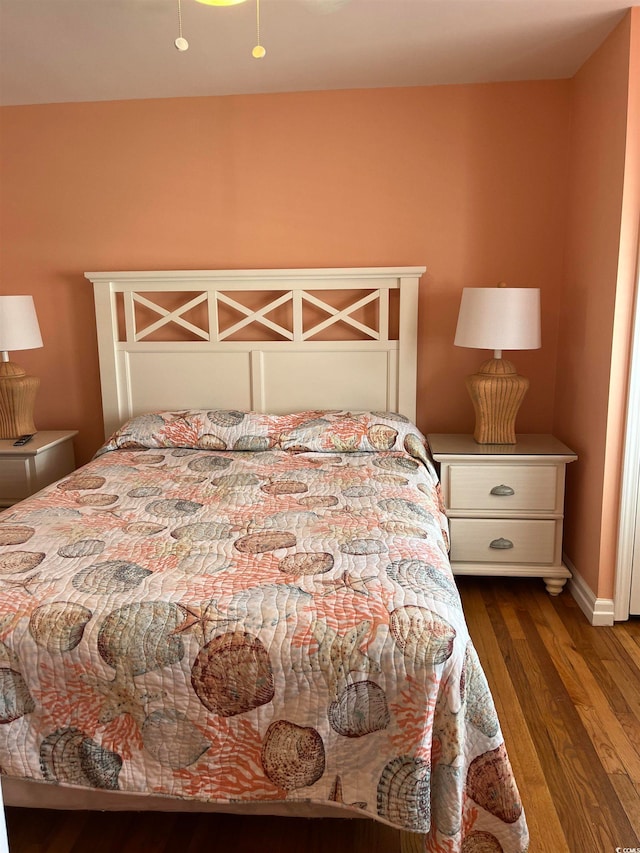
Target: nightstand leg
[{"x": 554, "y": 585}]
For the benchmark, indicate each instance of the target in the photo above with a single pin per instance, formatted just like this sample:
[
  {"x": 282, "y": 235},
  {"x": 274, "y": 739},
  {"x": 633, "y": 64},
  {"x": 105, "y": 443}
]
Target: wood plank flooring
[{"x": 568, "y": 698}]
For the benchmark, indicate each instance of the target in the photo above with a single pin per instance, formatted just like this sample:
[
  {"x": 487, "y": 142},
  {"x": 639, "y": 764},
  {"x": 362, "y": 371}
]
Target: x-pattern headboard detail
[
  {"x": 287, "y": 369},
  {"x": 297, "y": 298}
]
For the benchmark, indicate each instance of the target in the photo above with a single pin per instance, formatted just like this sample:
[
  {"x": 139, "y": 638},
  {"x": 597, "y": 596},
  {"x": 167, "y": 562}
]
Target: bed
[{"x": 244, "y": 601}]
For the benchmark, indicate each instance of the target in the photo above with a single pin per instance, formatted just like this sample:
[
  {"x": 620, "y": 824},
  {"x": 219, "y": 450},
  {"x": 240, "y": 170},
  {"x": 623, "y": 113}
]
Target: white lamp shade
[
  {"x": 499, "y": 318},
  {"x": 19, "y": 327}
]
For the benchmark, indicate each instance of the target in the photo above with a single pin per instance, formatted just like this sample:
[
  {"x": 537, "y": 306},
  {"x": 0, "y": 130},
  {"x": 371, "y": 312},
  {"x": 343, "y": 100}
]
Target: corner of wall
[{"x": 599, "y": 611}]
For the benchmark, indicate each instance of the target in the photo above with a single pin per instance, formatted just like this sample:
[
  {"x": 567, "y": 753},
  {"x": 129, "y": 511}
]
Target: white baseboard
[{"x": 599, "y": 611}]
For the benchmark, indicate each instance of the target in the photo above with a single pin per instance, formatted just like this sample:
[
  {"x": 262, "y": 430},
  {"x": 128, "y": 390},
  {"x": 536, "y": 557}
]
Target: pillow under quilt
[{"x": 227, "y": 429}]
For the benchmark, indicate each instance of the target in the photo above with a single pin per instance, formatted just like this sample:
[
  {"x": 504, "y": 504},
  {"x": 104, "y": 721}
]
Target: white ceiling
[{"x": 92, "y": 50}]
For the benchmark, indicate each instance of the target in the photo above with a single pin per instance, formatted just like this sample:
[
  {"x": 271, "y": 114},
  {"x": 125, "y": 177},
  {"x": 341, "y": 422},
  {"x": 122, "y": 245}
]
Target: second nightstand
[
  {"x": 27, "y": 469},
  {"x": 505, "y": 504}
]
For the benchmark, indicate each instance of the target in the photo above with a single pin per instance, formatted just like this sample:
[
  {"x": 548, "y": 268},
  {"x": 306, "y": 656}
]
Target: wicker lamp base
[
  {"x": 496, "y": 392},
  {"x": 17, "y": 399}
]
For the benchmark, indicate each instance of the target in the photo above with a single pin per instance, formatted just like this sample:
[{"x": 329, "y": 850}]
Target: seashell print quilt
[{"x": 234, "y": 607}]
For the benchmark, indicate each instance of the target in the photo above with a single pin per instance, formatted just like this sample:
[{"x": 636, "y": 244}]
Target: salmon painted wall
[
  {"x": 469, "y": 180},
  {"x": 597, "y": 303}
]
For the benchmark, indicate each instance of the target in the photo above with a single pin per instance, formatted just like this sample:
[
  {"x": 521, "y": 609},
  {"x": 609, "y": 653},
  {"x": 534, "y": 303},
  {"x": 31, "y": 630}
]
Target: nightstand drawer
[
  {"x": 490, "y": 540},
  {"x": 14, "y": 479},
  {"x": 503, "y": 488},
  {"x": 27, "y": 469}
]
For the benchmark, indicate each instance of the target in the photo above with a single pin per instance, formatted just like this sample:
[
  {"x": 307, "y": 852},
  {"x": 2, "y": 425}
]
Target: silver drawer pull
[
  {"x": 502, "y": 491},
  {"x": 501, "y": 544}
]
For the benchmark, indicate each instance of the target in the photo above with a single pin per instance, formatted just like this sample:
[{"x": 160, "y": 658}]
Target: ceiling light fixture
[{"x": 182, "y": 44}]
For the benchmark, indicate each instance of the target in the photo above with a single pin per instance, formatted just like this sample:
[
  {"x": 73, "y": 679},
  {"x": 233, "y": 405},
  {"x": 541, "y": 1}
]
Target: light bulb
[
  {"x": 258, "y": 52},
  {"x": 181, "y": 44}
]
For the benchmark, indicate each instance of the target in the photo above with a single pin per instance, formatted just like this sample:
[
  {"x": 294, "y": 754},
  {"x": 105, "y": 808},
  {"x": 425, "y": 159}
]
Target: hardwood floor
[{"x": 568, "y": 697}]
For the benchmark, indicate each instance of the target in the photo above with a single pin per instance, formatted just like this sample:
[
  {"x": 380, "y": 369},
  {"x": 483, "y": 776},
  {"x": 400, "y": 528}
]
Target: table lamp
[
  {"x": 18, "y": 330},
  {"x": 498, "y": 318}
]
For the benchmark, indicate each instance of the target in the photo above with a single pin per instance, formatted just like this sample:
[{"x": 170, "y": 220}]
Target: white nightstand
[
  {"x": 27, "y": 469},
  {"x": 505, "y": 504}
]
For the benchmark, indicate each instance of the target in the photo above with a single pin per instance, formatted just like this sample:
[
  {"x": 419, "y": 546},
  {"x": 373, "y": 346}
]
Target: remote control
[{"x": 22, "y": 440}]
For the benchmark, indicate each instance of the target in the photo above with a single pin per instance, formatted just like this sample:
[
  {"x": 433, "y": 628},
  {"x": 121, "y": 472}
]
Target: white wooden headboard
[{"x": 144, "y": 368}]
